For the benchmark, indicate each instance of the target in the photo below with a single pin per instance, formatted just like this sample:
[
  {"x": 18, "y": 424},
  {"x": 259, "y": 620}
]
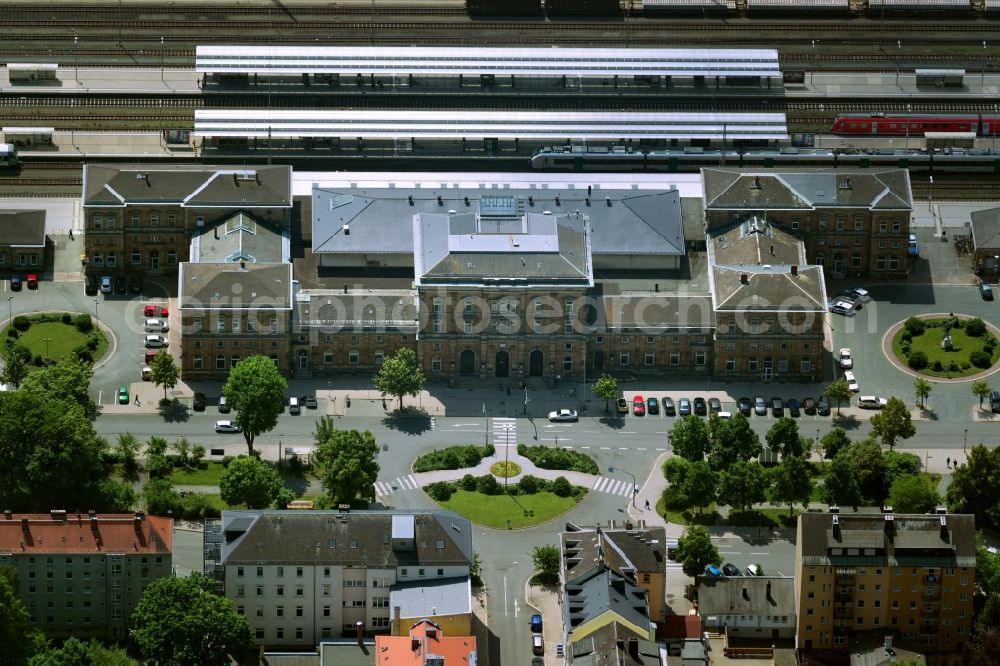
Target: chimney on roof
[
  {"x": 440, "y": 201},
  {"x": 359, "y": 628},
  {"x": 768, "y": 593},
  {"x": 58, "y": 515},
  {"x": 557, "y": 200},
  {"x": 409, "y": 199},
  {"x": 756, "y": 183},
  {"x": 243, "y": 265},
  {"x": 24, "y": 525},
  {"x": 7, "y": 514},
  {"x": 846, "y": 183},
  {"x": 345, "y": 288},
  {"x": 795, "y": 269},
  {"x": 746, "y": 593},
  {"x": 347, "y": 229},
  {"x": 215, "y": 230},
  {"x": 607, "y": 200},
  {"x": 633, "y": 648},
  {"x": 744, "y": 278},
  {"x": 466, "y": 201},
  {"x": 772, "y": 250},
  {"x": 589, "y": 190}
]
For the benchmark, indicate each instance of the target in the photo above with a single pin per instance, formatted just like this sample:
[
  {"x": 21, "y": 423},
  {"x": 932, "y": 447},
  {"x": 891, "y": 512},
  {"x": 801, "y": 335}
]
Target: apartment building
[
  {"x": 82, "y": 575},
  {"x": 22, "y": 241},
  {"x": 748, "y": 606},
  {"x": 302, "y": 577},
  {"x": 426, "y": 643},
  {"x": 912, "y": 575},
  {"x": 853, "y": 223},
  {"x": 139, "y": 219}
]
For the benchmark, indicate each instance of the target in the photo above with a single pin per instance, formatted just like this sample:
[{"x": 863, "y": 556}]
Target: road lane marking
[{"x": 605, "y": 448}]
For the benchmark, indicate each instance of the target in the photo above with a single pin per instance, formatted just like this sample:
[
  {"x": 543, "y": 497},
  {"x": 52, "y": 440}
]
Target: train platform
[
  {"x": 104, "y": 80},
  {"x": 859, "y": 85},
  {"x": 124, "y": 145}
]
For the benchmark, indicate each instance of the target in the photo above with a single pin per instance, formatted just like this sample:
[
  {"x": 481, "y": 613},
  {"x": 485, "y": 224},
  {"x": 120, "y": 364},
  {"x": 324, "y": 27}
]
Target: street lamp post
[
  {"x": 635, "y": 484},
  {"x": 96, "y": 318},
  {"x": 10, "y": 310},
  {"x": 965, "y": 442},
  {"x": 525, "y": 412},
  {"x": 930, "y": 193},
  {"x": 76, "y": 59},
  {"x": 162, "y": 76},
  {"x": 46, "y": 341}
]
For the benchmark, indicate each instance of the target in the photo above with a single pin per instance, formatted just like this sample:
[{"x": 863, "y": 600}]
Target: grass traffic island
[
  {"x": 505, "y": 470},
  {"x": 42, "y": 338},
  {"x": 486, "y": 501},
  {"x": 452, "y": 457},
  {"x": 918, "y": 346}
]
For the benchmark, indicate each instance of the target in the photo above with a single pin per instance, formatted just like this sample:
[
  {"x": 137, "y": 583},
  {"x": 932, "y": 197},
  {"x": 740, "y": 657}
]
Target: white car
[
  {"x": 153, "y": 341},
  {"x": 852, "y": 382},
  {"x": 871, "y": 402},
  {"x": 858, "y": 294},
  {"x": 226, "y": 426},
  {"x": 842, "y": 306},
  {"x": 563, "y": 416},
  {"x": 846, "y": 360}
]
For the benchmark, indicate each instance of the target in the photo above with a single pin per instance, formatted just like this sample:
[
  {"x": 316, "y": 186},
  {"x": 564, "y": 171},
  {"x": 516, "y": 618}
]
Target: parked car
[
  {"x": 15, "y": 283},
  {"x": 668, "y": 407},
  {"x": 652, "y": 405},
  {"x": 809, "y": 406},
  {"x": 871, "y": 402},
  {"x": 995, "y": 402},
  {"x": 147, "y": 373},
  {"x": 793, "y": 408},
  {"x": 135, "y": 284},
  {"x": 536, "y": 623},
  {"x": 731, "y": 569},
  {"x": 841, "y": 306},
  {"x": 714, "y": 405},
  {"x": 154, "y": 341},
  {"x": 563, "y": 416},
  {"x": 912, "y": 248},
  {"x": 858, "y": 295},
  {"x": 148, "y": 357},
  {"x": 226, "y": 426},
  {"x": 309, "y": 401},
  {"x": 32, "y": 281},
  {"x": 638, "y": 406},
  {"x": 120, "y": 285},
  {"x": 224, "y": 405},
  {"x": 700, "y": 408},
  {"x": 724, "y": 415},
  {"x": 846, "y": 360},
  {"x": 621, "y": 406},
  {"x": 823, "y": 406},
  {"x": 745, "y": 406},
  {"x": 106, "y": 286},
  {"x": 777, "y": 407},
  {"x": 684, "y": 407},
  {"x": 753, "y": 570},
  {"x": 198, "y": 404},
  {"x": 89, "y": 285},
  {"x": 537, "y": 644},
  {"x": 759, "y": 406},
  {"x": 155, "y": 311},
  {"x": 852, "y": 382},
  {"x": 294, "y": 406},
  {"x": 122, "y": 395},
  {"x": 713, "y": 570},
  {"x": 984, "y": 290},
  {"x": 157, "y": 325}
]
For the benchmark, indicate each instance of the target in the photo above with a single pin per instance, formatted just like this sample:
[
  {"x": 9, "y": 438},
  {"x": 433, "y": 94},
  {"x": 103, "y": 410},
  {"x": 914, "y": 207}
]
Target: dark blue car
[{"x": 536, "y": 624}]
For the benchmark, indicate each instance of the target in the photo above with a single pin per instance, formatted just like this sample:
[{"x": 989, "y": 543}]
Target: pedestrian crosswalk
[
  {"x": 605, "y": 484},
  {"x": 504, "y": 431},
  {"x": 389, "y": 486}
]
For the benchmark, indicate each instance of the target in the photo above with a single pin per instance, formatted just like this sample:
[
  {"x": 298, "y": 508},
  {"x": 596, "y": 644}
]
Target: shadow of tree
[
  {"x": 409, "y": 420},
  {"x": 174, "y": 411},
  {"x": 297, "y": 482},
  {"x": 846, "y": 421},
  {"x": 613, "y": 422}
]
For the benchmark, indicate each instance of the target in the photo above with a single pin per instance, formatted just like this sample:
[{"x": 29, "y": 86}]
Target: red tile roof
[
  {"x": 413, "y": 650},
  {"x": 62, "y": 532}
]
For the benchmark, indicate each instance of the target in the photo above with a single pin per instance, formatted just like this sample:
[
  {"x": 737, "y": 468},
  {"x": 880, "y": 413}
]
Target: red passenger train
[{"x": 915, "y": 124}]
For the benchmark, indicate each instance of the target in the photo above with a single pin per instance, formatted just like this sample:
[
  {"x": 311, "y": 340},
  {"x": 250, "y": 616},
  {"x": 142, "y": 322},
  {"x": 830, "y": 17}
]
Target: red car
[
  {"x": 32, "y": 281},
  {"x": 638, "y": 406},
  {"x": 155, "y": 311}
]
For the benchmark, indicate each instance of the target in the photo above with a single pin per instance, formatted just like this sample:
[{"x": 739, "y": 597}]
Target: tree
[
  {"x": 77, "y": 653},
  {"x": 841, "y": 486},
  {"x": 675, "y": 471},
  {"x": 157, "y": 464},
  {"x": 126, "y": 450},
  {"x": 14, "y": 370},
  {"x": 790, "y": 483},
  {"x": 872, "y": 474},
  {"x": 838, "y": 392},
  {"x": 700, "y": 484},
  {"x": 251, "y": 481},
  {"x": 911, "y": 494},
  {"x": 546, "y": 561},
  {"x": 399, "y": 375},
  {"x": 476, "y": 569},
  {"x": 19, "y": 638},
  {"x": 256, "y": 392},
  {"x": 161, "y": 498},
  {"x": 182, "y": 448},
  {"x": 742, "y": 484},
  {"x": 695, "y": 551},
  {"x": 988, "y": 616},
  {"x": 346, "y": 459},
  {"x": 605, "y": 388},
  {"x": 689, "y": 438},
  {"x": 734, "y": 440},
  {"x": 164, "y": 372},
  {"x": 784, "y": 437},
  {"x": 833, "y": 442},
  {"x": 987, "y": 567},
  {"x": 182, "y": 621},
  {"x": 69, "y": 380},
  {"x": 976, "y": 485},
  {"x": 922, "y": 390},
  {"x": 893, "y": 423},
  {"x": 981, "y": 388},
  {"x": 984, "y": 648}
]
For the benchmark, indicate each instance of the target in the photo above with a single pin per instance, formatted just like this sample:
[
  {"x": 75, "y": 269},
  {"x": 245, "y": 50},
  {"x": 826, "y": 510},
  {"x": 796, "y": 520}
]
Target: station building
[
  {"x": 23, "y": 241},
  {"x": 858, "y": 573},
  {"x": 82, "y": 575},
  {"x": 853, "y": 224}
]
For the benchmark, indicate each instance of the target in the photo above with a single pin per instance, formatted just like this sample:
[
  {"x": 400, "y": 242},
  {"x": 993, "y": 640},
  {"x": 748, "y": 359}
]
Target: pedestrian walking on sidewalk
[{"x": 647, "y": 505}]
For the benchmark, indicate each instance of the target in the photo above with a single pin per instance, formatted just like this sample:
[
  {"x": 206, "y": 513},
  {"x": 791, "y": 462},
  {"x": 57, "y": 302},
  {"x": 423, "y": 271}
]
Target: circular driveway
[{"x": 902, "y": 367}]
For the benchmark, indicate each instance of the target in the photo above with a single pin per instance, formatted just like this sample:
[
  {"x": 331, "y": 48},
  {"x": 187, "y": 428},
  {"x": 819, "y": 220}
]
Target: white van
[
  {"x": 155, "y": 326},
  {"x": 294, "y": 407}
]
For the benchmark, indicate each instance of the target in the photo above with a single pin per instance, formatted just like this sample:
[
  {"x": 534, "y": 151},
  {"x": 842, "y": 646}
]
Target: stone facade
[{"x": 22, "y": 241}]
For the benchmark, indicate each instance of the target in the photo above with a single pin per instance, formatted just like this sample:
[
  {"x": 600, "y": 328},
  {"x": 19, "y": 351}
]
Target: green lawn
[
  {"x": 198, "y": 477},
  {"x": 930, "y": 344},
  {"x": 63, "y": 339},
  {"x": 495, "y": 510}
]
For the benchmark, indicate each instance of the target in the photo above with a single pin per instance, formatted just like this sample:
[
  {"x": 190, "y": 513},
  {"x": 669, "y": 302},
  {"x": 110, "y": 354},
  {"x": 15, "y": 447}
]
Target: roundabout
[
  {"x": 944, "y": 347},
  {"x": 43, "y": 338}
]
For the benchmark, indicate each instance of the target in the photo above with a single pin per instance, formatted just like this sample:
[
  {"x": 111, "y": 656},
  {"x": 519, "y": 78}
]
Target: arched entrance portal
[
  {"x": 502, "y": 363},
  {"x": 536, "y": 362},
  {"x": 467, "y": 363}
]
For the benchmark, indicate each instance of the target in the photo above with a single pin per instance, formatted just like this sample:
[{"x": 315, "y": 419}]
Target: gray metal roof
[
  {"x": 240, "y": 238},
  {"x": 732, "y": 189},
  {"x": 473, "y": 61},
  {"x": 501, "y": 124},
  {"x": 529, "y": 249},
  {"x": 261, "y": 287},
  {"x": 986, "y": 230},
  {"x": 746, "y": 595},
  {"x": 428, "y": 598},
  {"x": 913, "y": 537},
  {"x": 22, "y": 228},
  {"x": 187, "y": 185},
  {"x": 600, "y": 591}
]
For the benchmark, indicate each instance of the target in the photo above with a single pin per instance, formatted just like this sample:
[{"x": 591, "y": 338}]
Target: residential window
[
  {"x": 220, "y": 362},
  {"x": 136, "y": 257},
  {"x": 821, "y": 223},
  {"x": 730, "y": 364},
  {"x": 328, "y": 358},
  {"x": 197, "y": 362},
  {"x": 379, "y": 358},
  {"x": 675, "y": 358},
  {"x": 805, "y": 365},
  {"x": 279, "y": 611},
  {"x": 220, "y": 325},
  {"x": 299, "y": 611},
  {"x": 840, "y": 224},
  {"x": 567, "y": 364},
  {"x": 599, "y": 340},
  {"x": 260, "y": 590},
  {"x": 782, "y": 364},
  {"x": 353, "y": 357},
  {"x": 436, "y": 364},
  {"x": 623, "y": 358},
  {"x": 858, "y": 223},
  {"x": 883, "y": 227},
  {"x": 650, "y": 358},
  {"x": 895, "y": 227},
  {"x": 234, "y": 359},
  {"x": 855, "y": 260},
  {"x": 699, "y": 358}
]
